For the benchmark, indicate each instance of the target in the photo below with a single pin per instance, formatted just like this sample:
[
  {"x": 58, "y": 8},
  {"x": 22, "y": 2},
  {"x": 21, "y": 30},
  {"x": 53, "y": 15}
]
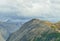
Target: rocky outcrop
[
  {"x": 3, "y": 34},
  {"x": 35, "y": 30},
  {"x": 1, "y": 38}
]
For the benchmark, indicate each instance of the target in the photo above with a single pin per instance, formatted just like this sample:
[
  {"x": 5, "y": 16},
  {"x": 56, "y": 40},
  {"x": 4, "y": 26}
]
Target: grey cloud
[{"x": 32, "y": 8}]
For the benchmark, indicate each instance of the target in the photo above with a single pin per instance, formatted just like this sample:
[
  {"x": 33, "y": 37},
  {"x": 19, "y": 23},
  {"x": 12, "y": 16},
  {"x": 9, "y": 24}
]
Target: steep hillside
[
  {"x": 35, "y": 30},
  {"x": 58, "y": 25},
  {"x": 1, "y": 38},
  {"x": 4, "y": 34}
]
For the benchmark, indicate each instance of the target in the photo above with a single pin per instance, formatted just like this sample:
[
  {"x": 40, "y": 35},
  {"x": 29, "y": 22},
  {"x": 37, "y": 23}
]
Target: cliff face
[
  {"x": 35, "y": 30},
  {"x": 1, "y": 38},
  {"x": 3, "y": 34}
]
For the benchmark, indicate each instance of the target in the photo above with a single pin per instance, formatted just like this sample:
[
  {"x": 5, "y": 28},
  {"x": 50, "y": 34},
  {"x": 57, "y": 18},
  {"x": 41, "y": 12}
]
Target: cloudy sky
[{"x": 31, "y": 8}]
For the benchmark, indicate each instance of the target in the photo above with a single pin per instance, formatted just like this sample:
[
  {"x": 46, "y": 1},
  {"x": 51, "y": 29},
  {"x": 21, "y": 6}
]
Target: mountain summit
[{"x": 35, "y": 30}]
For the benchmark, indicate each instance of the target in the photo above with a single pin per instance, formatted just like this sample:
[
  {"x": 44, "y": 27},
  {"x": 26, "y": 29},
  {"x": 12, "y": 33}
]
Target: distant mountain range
[
  {"x": 36, "y": 30},
  {"x": 13, "y": 17}
]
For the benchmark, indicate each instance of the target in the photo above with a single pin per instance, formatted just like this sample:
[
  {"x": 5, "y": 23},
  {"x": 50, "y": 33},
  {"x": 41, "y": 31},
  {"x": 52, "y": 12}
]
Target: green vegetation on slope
[{"x": 50, "y": 37}]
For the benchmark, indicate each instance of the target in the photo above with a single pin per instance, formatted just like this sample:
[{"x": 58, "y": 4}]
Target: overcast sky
[{"x": 31, "y": 8}]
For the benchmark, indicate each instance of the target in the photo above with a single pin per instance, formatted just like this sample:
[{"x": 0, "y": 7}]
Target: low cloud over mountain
[{"x": 31, "y": 8}]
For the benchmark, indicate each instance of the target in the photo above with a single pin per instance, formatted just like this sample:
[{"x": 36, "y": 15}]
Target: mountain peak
[{"x": 35, "y": 20}]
